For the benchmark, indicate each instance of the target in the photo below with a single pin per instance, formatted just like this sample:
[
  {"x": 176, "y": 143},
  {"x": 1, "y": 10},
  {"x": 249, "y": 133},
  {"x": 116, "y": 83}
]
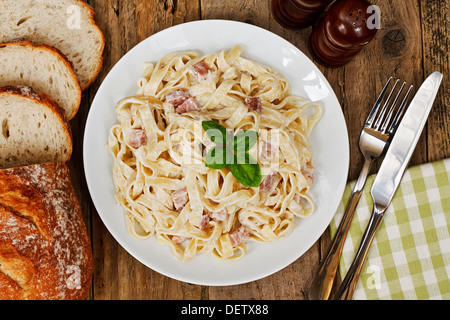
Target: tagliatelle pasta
[{"x": 159, "y": 149}]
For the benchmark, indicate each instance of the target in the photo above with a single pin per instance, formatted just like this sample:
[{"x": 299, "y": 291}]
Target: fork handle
[
  {"x": 348, "y": 286},
  {"x": 322, "y": 283}
]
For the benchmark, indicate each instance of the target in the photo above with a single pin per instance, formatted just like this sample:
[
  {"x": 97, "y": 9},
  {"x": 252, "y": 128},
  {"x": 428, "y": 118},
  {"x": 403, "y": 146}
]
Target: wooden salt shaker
[{"x": 297, "y": 14}]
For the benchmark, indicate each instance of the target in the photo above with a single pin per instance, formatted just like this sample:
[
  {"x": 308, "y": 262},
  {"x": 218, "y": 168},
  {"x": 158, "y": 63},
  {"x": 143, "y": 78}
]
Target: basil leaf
[
  {"x": 216, "y": 132},
  {"x": 216, "y": 158},
  {"x": 249, "y": 174},
  {"x": 243, "y": 157},
  {"x": 243, "y": 166},
  {"x": 244, "y": 140}
]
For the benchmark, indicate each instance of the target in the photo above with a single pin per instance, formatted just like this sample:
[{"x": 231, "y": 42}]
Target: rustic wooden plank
[
  {"x": 290, "y": 283},
  {"x": 407, "y": 30},
  {"x": 117, "y": 274},
  {"x": 400, "y": 48},
  {"x": 395, "y": 51},
  {"x": 435, "y": 16}
]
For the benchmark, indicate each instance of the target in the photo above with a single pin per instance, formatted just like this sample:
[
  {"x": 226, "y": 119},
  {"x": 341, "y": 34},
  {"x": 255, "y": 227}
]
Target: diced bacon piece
[
  {"x": 180, "y": 198},
  {"x": 268, "y": 150},
  {"x": 254, "y": 104},
  {"x": 202, "y": 149},
  {"x": 189, "y": 105},
  {"x": 221, "y": 215},
  {"x": 308, "y": 170},
  {"x": 200, "y": 70},
  {"x": 238, "y": 236},
  {"x": 137, "y": 138},
  {"x": 179, "y": 239},
  {"x": 177, "y": 97},
  {"x": 267, "y": 183},
  {"x": 204, "y": 221},
  {"x": 206, "y": 145}
]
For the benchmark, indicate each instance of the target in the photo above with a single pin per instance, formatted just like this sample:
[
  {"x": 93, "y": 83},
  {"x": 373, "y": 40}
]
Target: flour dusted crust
[
  {"x": 25, "y": 91},
  {"x": 45, "y": 250}
]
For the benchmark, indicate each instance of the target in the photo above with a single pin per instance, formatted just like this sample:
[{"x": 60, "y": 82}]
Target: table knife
[{"x": 391, "y": 173}]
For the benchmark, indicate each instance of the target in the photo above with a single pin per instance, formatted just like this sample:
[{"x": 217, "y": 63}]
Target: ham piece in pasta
[
  {"x": 200, "y": 71},
  {"x": 180, "y": 198},
  {"x": 238, "y": 236},
  {"x": 308, "y": 170},
  {"x": 177, "y": 97},
  {"x": 137, "y": 138},
  {"x": 254, "y": 104},
  {"x": 221, "y": 215},
  {"x": 204, "y": 221},
  {"x": 267, "y": 182},
  {"x": 189, "y": 105},
  {"x": 182, "y": 99},
  {"x": 269, "y": 150}
]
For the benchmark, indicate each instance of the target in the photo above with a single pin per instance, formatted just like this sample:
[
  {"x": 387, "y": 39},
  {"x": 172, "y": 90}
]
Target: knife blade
[
  {"x": 391, "y": 173},
  {"x": 404, "y": 142}
]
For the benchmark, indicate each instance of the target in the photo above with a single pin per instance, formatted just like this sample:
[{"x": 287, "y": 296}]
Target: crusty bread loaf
[
  {"x": 45, "y": 251},
  {"x": 44, "y": 69},
  {"x": 67, "y": 25},
  {"x": 32, "y": 129}
]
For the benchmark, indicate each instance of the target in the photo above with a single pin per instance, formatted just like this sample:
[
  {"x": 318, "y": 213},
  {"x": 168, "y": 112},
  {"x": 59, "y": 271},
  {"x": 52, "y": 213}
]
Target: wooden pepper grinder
[
  {"x": 297, "y": 14},
  {"x": 342, "y": 32}
]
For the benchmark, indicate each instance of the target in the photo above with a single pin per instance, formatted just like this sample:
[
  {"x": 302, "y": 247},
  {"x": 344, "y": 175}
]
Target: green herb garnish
[{"x": 232, "y": 151}]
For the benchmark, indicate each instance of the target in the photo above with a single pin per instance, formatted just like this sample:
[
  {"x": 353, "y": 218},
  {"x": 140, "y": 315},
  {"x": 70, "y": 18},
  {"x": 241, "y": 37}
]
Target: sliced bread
[
  {"x": 67, "y": 25},
  {"x": 33, "y": 129},
  {"x": 44, "y": 69}
]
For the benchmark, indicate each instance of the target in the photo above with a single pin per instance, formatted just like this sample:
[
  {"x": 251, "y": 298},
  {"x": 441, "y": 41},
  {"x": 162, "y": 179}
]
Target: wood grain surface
[{"x": 413, "y": 42}]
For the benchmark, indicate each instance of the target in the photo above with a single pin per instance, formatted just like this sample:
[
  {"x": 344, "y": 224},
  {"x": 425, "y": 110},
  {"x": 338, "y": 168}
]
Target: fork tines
[{"x": 378, "y": 119}]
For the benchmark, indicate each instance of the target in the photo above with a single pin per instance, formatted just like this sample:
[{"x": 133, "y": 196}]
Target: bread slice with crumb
[
  {"x": 32, "y": 129},
  {"x": 67, "y": 25},
  {"x": 44, "y": 69}
]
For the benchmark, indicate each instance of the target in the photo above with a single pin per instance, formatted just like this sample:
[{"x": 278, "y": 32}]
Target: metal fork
[{"x": 373, "y": 141}]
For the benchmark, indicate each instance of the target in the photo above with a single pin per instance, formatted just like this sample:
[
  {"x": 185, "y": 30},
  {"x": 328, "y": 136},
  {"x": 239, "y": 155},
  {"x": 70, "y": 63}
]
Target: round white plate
[{"x": 329, "y": 141}]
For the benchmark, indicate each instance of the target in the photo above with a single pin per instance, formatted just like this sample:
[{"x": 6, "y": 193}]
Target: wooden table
[{"x": 413, "y": 41}]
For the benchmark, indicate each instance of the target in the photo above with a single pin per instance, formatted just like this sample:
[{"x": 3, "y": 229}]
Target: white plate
[{"x": 329, "y": 141}]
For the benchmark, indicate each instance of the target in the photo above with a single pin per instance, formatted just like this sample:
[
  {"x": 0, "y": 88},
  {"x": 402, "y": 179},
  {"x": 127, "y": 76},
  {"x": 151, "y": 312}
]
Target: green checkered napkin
[{"x": 410, "y": 255}]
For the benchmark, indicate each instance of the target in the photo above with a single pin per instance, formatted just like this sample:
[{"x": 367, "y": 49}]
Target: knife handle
[
  {"x": 347, "y": 288},
  {"x": 322, "y": 283}
]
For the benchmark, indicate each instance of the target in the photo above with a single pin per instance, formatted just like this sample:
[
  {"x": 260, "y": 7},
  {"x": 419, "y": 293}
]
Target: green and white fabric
[{"x": 410, "y": 255}]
